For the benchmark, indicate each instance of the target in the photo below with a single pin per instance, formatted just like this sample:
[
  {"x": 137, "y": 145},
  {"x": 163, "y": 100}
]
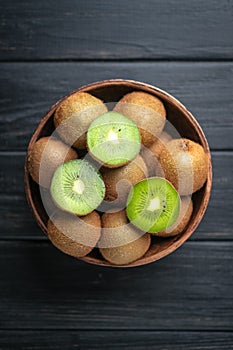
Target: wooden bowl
[{"x": 186, "y": 125}]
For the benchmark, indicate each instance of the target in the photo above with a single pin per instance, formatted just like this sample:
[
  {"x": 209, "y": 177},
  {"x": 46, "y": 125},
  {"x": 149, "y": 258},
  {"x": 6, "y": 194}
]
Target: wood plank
[
  {"x": 130, "y": 340},
  {"x": 30, "y": 89},
  {"x": 17, "y": 222},
  {"x": 116, "y": 29},
  {"x": 41, "y": 288}
]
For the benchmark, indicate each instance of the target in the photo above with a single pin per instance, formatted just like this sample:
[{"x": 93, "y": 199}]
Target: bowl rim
[{"x": 154, "y": 90}]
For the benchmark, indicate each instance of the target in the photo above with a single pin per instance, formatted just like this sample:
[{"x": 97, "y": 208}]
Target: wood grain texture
[
  {"x": 116, "y": 29},
  {"x": 17, "y": 221},
  {"x": 41, "y": 288},
  {"x": 128, "y": 340},
  {"x": 28, "y": 91}
]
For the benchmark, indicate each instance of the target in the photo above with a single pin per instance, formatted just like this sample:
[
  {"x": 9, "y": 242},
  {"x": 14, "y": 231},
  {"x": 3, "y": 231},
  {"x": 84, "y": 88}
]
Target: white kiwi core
[
  {"x": 78, "y": 186},
  {"x": 154, "y": 204},
  {"x": 113, "y": 137}
]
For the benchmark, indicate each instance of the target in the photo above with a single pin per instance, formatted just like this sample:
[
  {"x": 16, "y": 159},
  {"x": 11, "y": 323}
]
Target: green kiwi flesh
[
  {"x": 113, "y": 139},
  {"x": 153, "y": 205},
  {"x": 77, "y": 187}
]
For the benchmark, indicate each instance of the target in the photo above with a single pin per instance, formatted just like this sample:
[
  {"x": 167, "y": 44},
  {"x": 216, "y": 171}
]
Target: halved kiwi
[
  {"x": 121, "y": 243},
  {"x": 45, "y": 156},
  {"x": 153, "y": 205},
  {"x": 73, "y": 235},
  {"x": 113, "y": 139},
  {"x": 77, "y": 187},
  {"x": 74, "y": 115},
  {"x": 147, "y": 111}
]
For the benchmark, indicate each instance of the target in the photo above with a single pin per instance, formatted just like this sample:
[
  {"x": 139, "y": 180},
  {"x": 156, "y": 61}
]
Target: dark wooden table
[{"x": 51, "y": 301}]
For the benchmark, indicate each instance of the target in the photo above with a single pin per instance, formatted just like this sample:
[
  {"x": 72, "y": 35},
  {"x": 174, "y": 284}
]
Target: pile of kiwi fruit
[{"x": 117, "y": 179}]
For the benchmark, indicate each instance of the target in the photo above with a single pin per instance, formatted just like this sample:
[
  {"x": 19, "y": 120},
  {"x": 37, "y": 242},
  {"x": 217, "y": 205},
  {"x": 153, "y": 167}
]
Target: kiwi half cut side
[
  {"x": 153, "y": 205},
  {"x": 77, "y": 187},
  {"x": 113, "y": 139}
]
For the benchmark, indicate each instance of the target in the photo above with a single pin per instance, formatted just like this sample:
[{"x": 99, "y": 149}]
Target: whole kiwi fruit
[
  {"x": 73, "y": 235},
  {"x": 184, "y": 163},
  {"x": 74, "y": 115},
  {"x": 120, "y": 242},
  {"x": 44, "y": 158},
  {"x": 150, "y": 155},
  {"x": 118, "y": 181},
  {"x": 186, "y": 209},
  {"x": 147, "y": 111}
]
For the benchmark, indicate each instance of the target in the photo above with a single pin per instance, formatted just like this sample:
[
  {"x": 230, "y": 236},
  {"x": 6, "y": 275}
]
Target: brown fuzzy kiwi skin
[
  {"x": 133, "y": 172},
  {"x": 184, "y": 163},
  {"x": 44, "y": 158},
  {"x": 150, "y": 155},
  {"x": 147, "y": 111},
  {"x": 160, "y": 143},
  {"x": 66, "y": 230},
  {"x": 75, "y": 114},
  {"x": 122, "y": 254},
  {"x": 186, "y": 209}
]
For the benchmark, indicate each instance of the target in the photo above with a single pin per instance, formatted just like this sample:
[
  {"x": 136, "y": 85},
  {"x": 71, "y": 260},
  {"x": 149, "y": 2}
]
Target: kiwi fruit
[
  {"x": 153, "y": 205},
  {"x": 184, "y": 163},
  {"x": 186, "y": 209},
  {"x": 113, "y": 139},
  {"x": 77, "y": 187},
  {"x": 118, "y": 181},
  {"x": 45, "y": 156},
  {"x": 121, "y": 243},
  {"x": 151, "y": 154},
  {"x": 147, "y": 111},
  {"x": 160, "y": 143},
  {"x": 74, "y": 115},
  {"x": 73, "y": 235}
]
